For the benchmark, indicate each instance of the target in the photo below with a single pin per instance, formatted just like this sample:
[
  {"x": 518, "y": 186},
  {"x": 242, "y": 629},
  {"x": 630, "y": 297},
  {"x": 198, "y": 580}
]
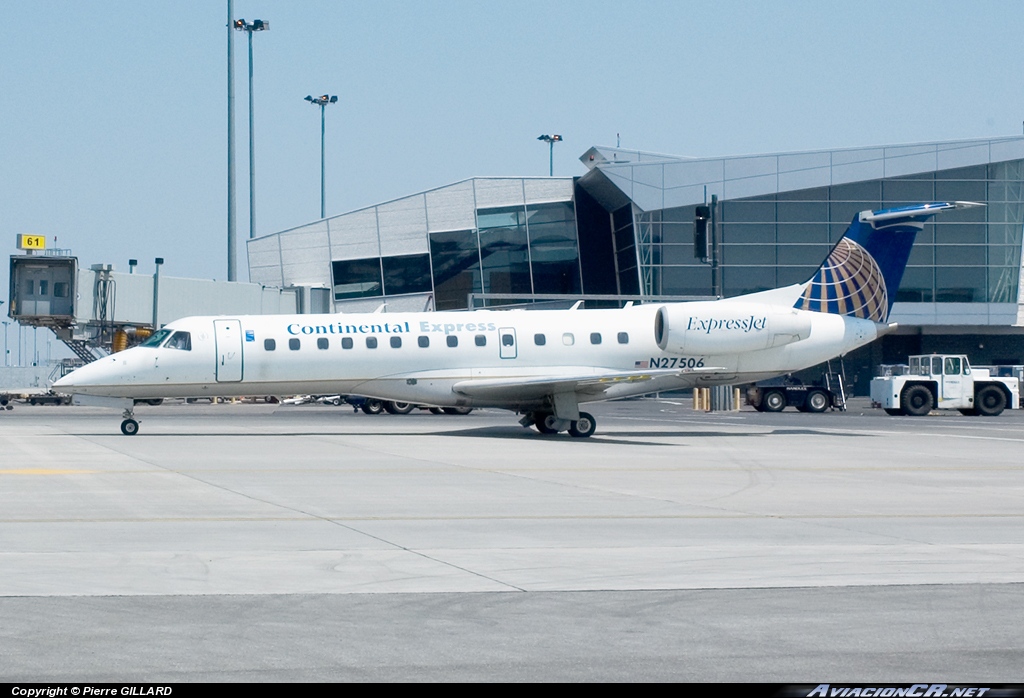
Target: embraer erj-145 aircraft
[{"x": 542, "y": 364}]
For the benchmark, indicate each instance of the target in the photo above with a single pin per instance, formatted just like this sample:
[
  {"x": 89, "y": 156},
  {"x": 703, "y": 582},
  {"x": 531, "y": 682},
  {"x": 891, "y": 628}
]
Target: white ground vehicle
[{"x": 945, "y": 382}]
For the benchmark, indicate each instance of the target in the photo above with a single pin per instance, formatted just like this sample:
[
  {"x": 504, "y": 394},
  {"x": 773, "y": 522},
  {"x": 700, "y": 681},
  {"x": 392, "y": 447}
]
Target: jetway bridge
[{"x": 97, "y": 311}]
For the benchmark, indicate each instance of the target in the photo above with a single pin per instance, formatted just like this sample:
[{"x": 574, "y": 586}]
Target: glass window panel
[
  {"x": 973, "y": 172},
  {"x": 917, "y": 285},
  {"x": 506, "y": 268},
  {"x": 794, "y": 275},
  {"x": 803, "y": 212},
  {"x": 686, "y": 281},
  {"x": 748, "y": 254},
  {"x": 812, "y": 195},
  {"x": 622, "y": 217},
  {"x": 682, "y": 214},
  {"x": 960, "y": 284},
  {"x": 321, "y": 342},
  {"x": 858, "y": 191},
  {"x": 371, "y": 342},
  {"x": 452, "y": 340},
  {"x": 844, "y": 211},
  {"x": 739, "y": 280},
  {"x": 961, "y": 190},
  {"x": 677, "y": 233},
  {"x": 480, "y": 340},
  {"x": 269, "y": 344},
  {"x": 623, "y": 338},
  {"x": 396, "y": 342},
  {"x": 568, "y": 339},
  {"x": 748, "y": 211},
  {"x": 294, "y": 344},
  {"x": 595, "y": 337},
  {"x": 503, "y": 217},
  {"x": 456, "y": 264},
  {"x": 677, "y": 254},
  {"x": 907, "y": 191},
  {"x": 540, "y": 340},
  {"x": 547, "y": 213},
  {"x": 423, "y": 341},
  {"x": 922, "y": 255},
  {"x": 346, "y": 342},
  {"x": 407, "y": 274},
  {"x": 802, "y": 255},
  {"x": 737, "y": 232},
  {"x": 960, "y": 233},
  {"x": 803, "y": 232},
  {"x": 357, "y": 278},
  {"x": 44, "y": 287},
  {"x": 960, "y": 255}
]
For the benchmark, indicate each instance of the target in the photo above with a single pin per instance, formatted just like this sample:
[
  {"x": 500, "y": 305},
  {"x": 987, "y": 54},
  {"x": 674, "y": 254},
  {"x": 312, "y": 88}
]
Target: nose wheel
[{"x": 129, "y": 427}]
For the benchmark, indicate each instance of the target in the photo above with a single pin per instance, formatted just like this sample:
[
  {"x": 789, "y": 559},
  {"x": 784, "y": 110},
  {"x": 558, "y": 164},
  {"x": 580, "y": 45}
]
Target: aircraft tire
[
  {"x": 990, "y": 401},
  {"x": 584, "y": 426},
  {"x": 817, "y": 401},
  {"x": 129, "y": 427},
  {"x": 393, "y": 407},
  {"x": 917, "y": 400},
  {"x": 372, "y": 406},
  {"x": 541, "y": 422},
  {"x": 773, "y": 401}
]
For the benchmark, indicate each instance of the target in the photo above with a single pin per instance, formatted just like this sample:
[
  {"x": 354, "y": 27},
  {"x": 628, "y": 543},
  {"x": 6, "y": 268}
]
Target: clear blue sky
[{"x": 113, "y": 114}]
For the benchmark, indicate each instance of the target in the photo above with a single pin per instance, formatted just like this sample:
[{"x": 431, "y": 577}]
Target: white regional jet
[{"x": 542, "y": 364}]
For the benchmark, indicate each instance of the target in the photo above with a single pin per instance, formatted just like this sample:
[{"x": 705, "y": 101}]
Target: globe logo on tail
[{"x": 850, "y": 282}]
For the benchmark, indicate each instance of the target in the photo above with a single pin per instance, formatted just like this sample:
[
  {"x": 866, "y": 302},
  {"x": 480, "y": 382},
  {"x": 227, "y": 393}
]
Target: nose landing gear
[{"x": 129, "y": 427}]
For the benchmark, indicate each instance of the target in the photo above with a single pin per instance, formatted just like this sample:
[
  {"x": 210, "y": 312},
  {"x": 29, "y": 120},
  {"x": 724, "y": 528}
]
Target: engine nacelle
[{"x": 714, "y": 327}]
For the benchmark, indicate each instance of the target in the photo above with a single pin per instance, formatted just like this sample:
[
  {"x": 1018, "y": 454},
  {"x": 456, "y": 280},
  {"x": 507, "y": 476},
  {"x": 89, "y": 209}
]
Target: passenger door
[{"x": 228, "y": 335}]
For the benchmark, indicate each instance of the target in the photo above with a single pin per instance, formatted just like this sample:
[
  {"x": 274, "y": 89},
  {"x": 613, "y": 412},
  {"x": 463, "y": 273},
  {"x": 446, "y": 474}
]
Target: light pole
[
  {"x": 7, "y": 352},
  {"x": 231, "y": 144},
  {"x": 322, "y": 101},
  {"x": 257, "y": 25},
  {"x": 550, "y": 140}
]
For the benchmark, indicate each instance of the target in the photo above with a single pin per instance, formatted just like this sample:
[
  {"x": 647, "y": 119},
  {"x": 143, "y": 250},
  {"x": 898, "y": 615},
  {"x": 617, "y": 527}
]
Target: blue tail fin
[{"x": 861, "y": 275}]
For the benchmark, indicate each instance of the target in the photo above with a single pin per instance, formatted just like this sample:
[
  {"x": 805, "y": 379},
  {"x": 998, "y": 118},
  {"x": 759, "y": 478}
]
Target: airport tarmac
[{"x": 309, "y": 543}]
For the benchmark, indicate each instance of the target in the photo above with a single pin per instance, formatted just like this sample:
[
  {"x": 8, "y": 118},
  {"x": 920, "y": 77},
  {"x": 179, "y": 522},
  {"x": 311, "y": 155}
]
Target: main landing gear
[
  {"x": 548, "y": 423},
  {"x": 129, "y": 427}
]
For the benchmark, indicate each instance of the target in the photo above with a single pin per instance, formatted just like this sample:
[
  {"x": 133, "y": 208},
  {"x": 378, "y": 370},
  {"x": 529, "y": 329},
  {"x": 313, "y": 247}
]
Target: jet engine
[{"x": 724, "y": 328}]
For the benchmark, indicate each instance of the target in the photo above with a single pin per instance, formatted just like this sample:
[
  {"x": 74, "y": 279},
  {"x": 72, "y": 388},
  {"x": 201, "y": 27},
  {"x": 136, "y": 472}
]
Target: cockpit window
[
  {"x": 157, "y": 338},
  {"x": 180, "y": 340}
]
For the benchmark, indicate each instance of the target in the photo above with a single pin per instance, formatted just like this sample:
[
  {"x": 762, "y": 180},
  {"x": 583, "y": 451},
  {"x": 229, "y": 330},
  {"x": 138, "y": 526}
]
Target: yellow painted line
[{"x": 45, "y": 471}]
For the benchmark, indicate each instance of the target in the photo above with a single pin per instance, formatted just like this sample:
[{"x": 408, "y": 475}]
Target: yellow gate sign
[{"x": 31, "y": 242}]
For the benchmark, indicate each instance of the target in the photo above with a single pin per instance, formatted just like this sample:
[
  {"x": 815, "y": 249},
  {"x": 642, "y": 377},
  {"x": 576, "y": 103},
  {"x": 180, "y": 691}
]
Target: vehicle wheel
[
  {"x": 817, "y": 401},
  {"x": 457, "y": 410},
  {"x": 969, "y": 412},
  {"x": 584, "y": 426},
  {"x": 399, "y": 407},
  {"x": 894, "y": 411},
  {"x": 129, "y": 427},
  {"x": 917, "y": 400},
  {"x": 990, "y": 401},
  {"x": 372, "y": 406},
  {"x": 774, "y": 401},
  {"x": 336, "y": 401},
  {"x": 543, "y": 423}
]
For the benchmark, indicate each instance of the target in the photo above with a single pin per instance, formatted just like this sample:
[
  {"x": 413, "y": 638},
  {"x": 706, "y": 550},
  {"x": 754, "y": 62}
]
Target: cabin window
[
  {"x": 180, "y": 340},
  {"x": 321, "y": 342},
  {"x": 508, "y": 340},
  {"x": 371, "y": 342},
  {"x": 269, "y": 344},
  {"x": 568, "y": 340},
  {"x": 294, "y": 344},
  {"x": 452, "y": 340},
  {"x": 44, "y": 286},
  {"x": 60, "y": 289},
  {"x": 156, "y": 339},
  {"x": 346, "y": 342},
  {"x": 540, "y": 340},
  {"x": 595, "y": 337},
  {"x": 481, "y": 340},
  {"x": 30, "y": 287},
  {"x": 623, "y": 338},
  {"x": 396, "y": 342},
  {"x": 423, "y": 340}
]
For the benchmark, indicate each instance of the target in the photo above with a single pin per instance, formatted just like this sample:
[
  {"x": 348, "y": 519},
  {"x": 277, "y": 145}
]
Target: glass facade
[
  {"x": 966, "y": 256},
  {"x": 520, "y": 250}
]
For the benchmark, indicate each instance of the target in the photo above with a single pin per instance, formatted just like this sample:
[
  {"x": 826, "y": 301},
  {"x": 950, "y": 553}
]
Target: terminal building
[{"x": 625, "y": 230}]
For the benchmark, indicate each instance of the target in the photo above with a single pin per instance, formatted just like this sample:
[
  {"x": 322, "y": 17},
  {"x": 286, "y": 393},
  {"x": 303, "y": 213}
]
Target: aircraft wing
[{"x": 539, "y": 386}]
